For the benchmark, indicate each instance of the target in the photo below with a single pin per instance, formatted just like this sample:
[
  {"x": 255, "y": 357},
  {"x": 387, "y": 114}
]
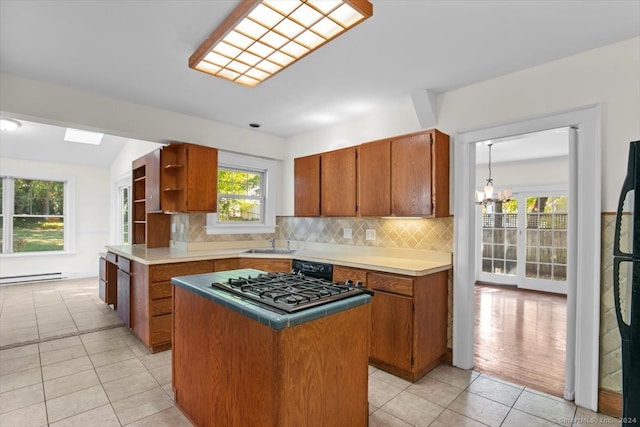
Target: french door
[{"x": 524, "y": 242}]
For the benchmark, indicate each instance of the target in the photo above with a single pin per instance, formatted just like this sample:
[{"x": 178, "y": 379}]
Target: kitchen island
[{"x": 239, "y": 364}]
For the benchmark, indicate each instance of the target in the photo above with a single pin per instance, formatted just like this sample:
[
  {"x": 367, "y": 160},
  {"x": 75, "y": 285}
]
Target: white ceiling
[{"x": 138, "y": 50}]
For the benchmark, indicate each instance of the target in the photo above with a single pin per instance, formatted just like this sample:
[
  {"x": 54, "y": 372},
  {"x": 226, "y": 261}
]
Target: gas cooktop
[{"x": 287, "y": 292}]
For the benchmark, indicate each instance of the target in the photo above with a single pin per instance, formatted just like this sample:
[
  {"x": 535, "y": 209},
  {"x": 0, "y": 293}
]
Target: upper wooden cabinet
[
  {"x": 306, "y": 175},
  {"x": 405, "y": 176},
  {"x": 189, "y": 178},
  {"x": 402, "y": 176},
  {"x": 338, "y": 188}
]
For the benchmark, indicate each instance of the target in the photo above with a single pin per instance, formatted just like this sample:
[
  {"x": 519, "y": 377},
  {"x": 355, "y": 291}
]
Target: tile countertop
[
  {"x": 399, "y": 261},
  {"x": 200, "y": 284}
]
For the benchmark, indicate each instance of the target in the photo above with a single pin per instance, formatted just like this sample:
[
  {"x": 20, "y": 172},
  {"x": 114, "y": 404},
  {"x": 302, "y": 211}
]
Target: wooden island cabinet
[{"x": 235, "y": 370}]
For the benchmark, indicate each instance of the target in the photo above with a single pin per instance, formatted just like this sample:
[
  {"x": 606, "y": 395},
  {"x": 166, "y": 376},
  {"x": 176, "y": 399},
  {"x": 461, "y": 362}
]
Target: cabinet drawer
[
  {"x": 158, "y": 273},
  {"x": 270, "y": 265},
  {"x": 225, "y": 264},
  {"x": 342, "y": 274},
  {"x": 161, "y": 306},
  {"x": 102, "y": 269},
  {"x": 390, "y": 283},
  {"x": 124, "y": 264},
  {"x": 112, "y": 258},
  {"x": 159, "y": 290}
]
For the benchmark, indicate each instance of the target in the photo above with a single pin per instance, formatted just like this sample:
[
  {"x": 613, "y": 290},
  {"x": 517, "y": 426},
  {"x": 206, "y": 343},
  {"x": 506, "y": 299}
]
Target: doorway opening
[
  {"x": 583, "y": 271},
  {"x": 522, "y": 244}
]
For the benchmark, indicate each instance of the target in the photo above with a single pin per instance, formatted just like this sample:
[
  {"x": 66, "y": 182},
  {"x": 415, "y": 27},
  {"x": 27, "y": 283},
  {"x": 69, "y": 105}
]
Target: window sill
[
  {"x": 240, "y": 229},
  {"x": 33, "y": 254}
]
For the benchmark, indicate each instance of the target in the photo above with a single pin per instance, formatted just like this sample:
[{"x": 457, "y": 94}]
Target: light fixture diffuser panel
[
  {"x": 261, "y": 37},
  {"x": 83, "y": 136}
]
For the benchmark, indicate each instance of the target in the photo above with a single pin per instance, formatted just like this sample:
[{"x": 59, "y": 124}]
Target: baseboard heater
[{"x": 29, "y": 278}]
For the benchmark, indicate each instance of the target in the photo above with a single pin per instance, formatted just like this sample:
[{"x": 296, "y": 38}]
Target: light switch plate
[
  {"x": 370, "y": 234},
  {"x": 347, "y": 233}
]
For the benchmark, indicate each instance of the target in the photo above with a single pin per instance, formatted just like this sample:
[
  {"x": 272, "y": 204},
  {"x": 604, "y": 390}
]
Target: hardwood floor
[{"x": 520, "y": 336}]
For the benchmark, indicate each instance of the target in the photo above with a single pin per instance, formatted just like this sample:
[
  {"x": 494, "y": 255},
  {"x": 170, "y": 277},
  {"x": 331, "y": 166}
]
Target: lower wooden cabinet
[
  {"x": 408, "y": 319},
  {"x": 151, "y": 299},
  {"x": 392, "y": 330}
]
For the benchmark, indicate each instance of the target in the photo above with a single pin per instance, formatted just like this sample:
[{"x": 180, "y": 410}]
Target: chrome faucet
[{"x": 273, "y": 243}]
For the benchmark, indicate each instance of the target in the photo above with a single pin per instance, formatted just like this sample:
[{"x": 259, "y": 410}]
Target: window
[
  {"x": 123, "y": 225},
  {"x": 240, "y": 196},
  {"x": 34, "y": 215},
  {"x": 246, "y": 195},
  {"x": 122, "y": 210}
]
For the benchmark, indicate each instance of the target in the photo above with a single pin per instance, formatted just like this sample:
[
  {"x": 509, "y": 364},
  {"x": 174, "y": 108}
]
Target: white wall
[
  {"x": 549, "y": 171},
  {"x": 91, "y": 212},
  {"x": 607, "y": 75}
]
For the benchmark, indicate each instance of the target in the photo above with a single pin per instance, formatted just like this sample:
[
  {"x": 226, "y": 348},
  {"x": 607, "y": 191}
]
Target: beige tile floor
[{"x": 65, "y": 360}]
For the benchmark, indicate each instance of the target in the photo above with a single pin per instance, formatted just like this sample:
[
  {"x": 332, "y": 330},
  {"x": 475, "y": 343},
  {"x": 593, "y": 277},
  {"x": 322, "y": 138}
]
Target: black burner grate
[{"x": 287, "y": 292}]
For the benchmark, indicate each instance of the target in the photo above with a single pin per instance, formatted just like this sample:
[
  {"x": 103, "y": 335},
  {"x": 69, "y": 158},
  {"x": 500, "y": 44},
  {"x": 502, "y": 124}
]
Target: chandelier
[{"x": 487, "y": 196}]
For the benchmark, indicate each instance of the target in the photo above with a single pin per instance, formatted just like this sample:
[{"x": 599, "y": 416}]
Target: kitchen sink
[{"x": 270, "y": 251}]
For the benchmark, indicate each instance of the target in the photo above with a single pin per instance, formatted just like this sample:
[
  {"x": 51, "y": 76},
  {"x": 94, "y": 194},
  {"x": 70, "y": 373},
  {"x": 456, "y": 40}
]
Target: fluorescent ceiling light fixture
[
  {"x": 262, "y": 37},
  {"x": 9, "y": 124},
  {"x": 83, "y": 136}
]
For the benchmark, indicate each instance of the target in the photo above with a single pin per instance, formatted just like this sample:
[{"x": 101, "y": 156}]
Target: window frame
[
  {"x": 228, "y": 160},
  {"x": 8, "y": 195}
]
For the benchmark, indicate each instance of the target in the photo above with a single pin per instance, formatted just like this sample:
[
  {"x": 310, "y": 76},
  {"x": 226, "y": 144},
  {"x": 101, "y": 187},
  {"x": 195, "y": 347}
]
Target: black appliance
[
  {"x": 626, "y": 286},
  {"x": 318, "y": 270},
  {"x": 287, "y": 292}
]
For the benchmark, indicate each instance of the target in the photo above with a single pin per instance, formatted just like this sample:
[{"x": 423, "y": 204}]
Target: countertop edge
[{"x": 335, "y": 259}]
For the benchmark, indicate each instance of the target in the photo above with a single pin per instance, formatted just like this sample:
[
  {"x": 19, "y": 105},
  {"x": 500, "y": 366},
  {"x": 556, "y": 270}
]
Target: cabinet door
[
  {"x": 202, "y": 179},
  {"x": 306, "y": 182},
  {"x": 152, "y": 181},
  {"x": 338, "y": 183},
  {"x": 124, "y": 297},
  {"x": 392, "y": 329},
  {"x": 411, "y": 175},
  {"x": 374, "y": 178}
]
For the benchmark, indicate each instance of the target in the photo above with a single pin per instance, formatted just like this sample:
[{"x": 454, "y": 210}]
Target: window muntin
[{"x": 33, "y": 215}]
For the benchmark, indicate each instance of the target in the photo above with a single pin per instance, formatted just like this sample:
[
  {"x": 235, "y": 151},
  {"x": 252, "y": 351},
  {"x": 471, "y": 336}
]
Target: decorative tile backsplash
[
  {"x": 610, "y": 345},
  {"x": 426, "y": 234}
]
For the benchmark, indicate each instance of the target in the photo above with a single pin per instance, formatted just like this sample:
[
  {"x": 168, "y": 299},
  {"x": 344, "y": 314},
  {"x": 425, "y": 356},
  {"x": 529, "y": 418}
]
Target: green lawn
[{"x": 38, "y": 239}]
